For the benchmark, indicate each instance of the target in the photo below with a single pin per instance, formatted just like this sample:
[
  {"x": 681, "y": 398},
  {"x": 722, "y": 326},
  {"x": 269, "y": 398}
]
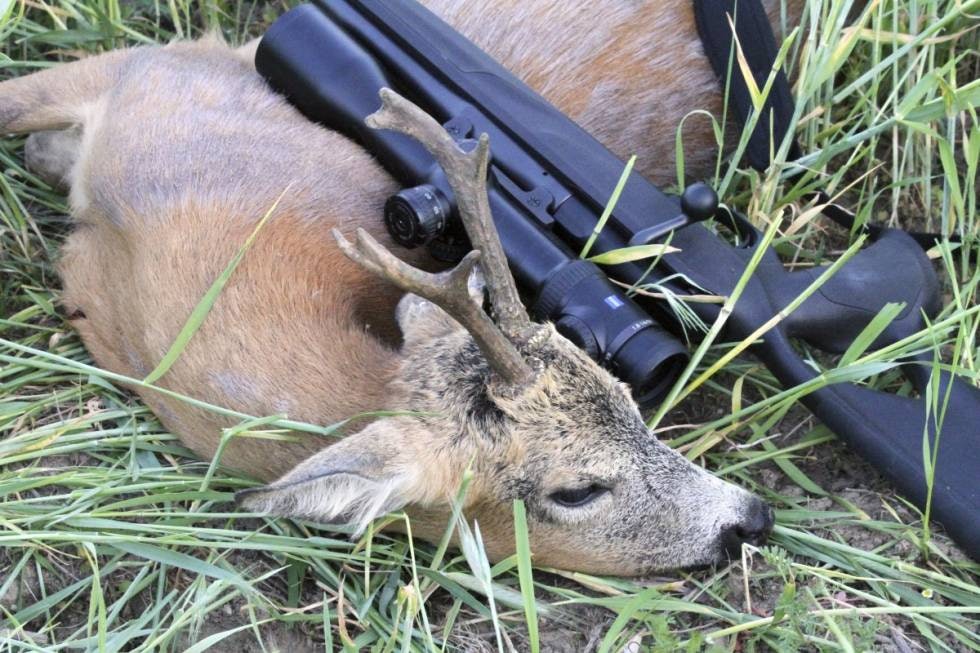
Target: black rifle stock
[{"x": 549, "y": 183}]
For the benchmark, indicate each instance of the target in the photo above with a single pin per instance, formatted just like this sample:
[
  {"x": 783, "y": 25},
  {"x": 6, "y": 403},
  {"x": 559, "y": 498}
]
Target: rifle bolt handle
[{"x": 699, "y": 202}]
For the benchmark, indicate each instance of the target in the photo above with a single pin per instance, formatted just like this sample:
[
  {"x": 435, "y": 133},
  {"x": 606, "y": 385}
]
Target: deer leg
[
  {"x": 51, "y": 155},
  {"x": 56, "y": 98}
]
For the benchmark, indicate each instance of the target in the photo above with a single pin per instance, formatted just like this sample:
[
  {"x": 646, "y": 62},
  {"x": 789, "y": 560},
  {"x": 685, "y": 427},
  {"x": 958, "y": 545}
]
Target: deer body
[{"x": 173, "y": 154}]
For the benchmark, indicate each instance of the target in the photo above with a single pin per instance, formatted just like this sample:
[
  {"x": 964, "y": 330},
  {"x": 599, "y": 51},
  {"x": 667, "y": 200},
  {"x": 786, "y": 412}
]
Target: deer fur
[{"x": 172, "y": 154}]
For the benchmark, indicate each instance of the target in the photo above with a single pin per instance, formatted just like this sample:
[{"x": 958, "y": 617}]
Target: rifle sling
[{"x": 714, "y": 20}]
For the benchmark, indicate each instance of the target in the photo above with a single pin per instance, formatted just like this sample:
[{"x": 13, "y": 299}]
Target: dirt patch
[{"x": 272, "y": 637}]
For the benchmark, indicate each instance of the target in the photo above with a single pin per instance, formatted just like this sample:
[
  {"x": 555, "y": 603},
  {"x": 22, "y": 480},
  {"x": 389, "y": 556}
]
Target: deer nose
[{"x": 753, "y": 528}]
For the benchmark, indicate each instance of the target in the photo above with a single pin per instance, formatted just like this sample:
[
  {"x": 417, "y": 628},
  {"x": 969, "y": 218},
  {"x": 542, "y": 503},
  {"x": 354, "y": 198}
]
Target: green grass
[{"x": 114, "y": 537}]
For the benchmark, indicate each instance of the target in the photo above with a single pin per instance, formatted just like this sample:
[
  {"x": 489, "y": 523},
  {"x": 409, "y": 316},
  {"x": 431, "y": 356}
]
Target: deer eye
[{"x": 577, "y": 497}]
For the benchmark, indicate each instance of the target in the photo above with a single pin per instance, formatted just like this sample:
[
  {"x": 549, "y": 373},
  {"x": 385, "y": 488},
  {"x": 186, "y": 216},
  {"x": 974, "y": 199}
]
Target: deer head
[{"x": 533, "y": 416}]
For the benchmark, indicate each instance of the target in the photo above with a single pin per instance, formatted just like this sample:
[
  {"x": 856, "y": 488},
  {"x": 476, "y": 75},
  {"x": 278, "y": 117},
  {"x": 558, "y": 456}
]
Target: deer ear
[
  {"x": 421, "y": 321},
  {"x": 352, "y": 482}
]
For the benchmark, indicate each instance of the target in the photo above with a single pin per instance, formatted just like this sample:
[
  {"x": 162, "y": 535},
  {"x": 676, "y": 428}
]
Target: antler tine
[
  {"x": 449, "y": 290},
  {"x": 467, "y": 176}
]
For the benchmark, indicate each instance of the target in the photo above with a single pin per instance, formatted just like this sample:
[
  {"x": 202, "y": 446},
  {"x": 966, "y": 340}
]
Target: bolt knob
[{"x": 699, "y": 202}]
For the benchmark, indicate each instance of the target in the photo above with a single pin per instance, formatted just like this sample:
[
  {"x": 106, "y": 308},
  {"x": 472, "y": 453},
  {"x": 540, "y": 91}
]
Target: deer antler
[
  {"x": 467, "y": 176},
  {"x": 449, "y": 291}
]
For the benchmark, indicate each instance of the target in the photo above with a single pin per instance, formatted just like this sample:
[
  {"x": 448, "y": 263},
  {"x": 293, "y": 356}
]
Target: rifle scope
[{"x": 334, "y": 80}]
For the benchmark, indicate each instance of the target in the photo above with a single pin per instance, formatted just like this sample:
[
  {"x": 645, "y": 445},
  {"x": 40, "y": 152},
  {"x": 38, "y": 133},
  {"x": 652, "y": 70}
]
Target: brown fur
[{"x": 183, "y": 149}]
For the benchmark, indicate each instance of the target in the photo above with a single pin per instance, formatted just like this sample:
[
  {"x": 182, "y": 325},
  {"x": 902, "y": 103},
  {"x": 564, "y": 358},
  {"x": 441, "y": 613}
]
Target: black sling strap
[
  {"x": 759, "y": 48},
  {"x": 758, "y": 43}
]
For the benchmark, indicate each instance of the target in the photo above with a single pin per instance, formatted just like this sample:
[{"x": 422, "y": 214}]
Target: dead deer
[{"x": 172, "y": 154}]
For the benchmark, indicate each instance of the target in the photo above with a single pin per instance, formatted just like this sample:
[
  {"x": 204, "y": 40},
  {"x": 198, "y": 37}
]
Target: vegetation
[{"x": 114, "y": 537}]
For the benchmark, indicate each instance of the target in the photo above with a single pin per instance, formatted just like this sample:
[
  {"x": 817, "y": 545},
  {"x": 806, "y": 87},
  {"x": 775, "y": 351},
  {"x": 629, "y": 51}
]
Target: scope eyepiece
[
  {"x": 415, "y": 216},
  {"x": 580, "y": 334},
  {"x": 650, "y": 362},
  {"x": 594, "y": 315}
]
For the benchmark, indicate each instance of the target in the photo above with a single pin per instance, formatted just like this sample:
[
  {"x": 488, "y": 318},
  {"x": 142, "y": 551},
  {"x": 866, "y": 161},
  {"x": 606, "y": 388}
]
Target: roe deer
[{"x": 172, "y": 154}]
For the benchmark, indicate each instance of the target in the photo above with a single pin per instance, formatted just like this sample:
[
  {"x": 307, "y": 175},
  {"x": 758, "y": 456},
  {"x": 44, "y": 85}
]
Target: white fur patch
[{"x": 339, "y": 497}]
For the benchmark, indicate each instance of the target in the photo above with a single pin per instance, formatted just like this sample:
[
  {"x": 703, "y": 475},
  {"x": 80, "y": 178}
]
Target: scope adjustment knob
[{"x": 414, "y": 216}]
